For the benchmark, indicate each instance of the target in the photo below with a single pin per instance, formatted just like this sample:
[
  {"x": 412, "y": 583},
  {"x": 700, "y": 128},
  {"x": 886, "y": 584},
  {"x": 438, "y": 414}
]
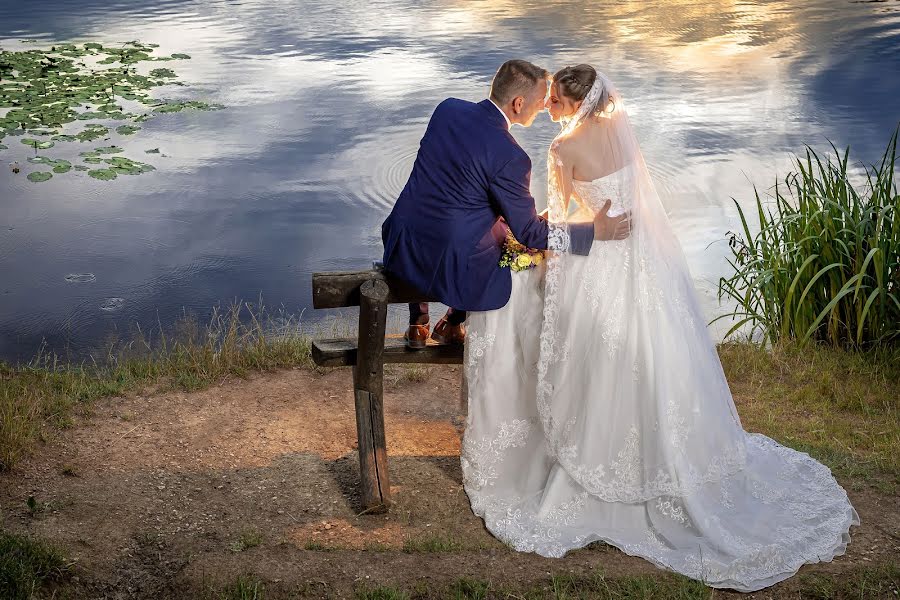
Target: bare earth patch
[{"x": 158, "y": 495}]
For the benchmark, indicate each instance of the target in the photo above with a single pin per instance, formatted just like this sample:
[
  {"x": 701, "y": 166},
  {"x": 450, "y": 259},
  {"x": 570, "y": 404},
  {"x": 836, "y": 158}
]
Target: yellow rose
[
  {"x": 537, "y": 258},
  {"x": 523, "y": 261}
]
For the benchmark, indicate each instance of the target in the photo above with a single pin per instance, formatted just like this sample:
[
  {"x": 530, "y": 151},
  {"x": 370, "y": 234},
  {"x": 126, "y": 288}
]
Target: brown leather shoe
[
  {"x": 416, "y": 337},
  {"x": 445, "y": 333}
]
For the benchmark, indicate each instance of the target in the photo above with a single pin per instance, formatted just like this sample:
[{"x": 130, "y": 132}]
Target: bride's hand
[{"x": 611, "y": 228}]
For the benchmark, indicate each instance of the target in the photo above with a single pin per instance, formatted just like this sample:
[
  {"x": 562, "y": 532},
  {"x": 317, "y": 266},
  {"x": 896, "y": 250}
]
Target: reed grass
[{"x": 825, "y": 264}]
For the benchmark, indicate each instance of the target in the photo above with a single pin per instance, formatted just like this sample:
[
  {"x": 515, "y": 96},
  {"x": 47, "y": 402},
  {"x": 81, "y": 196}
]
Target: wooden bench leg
[{"x": 368, "y": 381}]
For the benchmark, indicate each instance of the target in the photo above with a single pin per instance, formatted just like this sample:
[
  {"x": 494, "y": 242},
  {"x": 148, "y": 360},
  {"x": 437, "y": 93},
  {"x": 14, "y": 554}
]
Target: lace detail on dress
[
  {"x": 673, "y": 509},
  {"x": 545, "y": 534},
  {"x": 477, "y": 345},
  {"x": 615, "y": 188},
  {"x": 626, "y": 479},
  {"x": 482, "y": 457}
]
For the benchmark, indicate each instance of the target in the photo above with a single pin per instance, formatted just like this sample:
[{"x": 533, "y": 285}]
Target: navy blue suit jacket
[{"x": 444, "y": 235}]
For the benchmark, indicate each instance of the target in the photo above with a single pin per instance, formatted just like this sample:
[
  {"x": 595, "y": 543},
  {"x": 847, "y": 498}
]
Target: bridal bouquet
[{"x": 518, "y": 257}]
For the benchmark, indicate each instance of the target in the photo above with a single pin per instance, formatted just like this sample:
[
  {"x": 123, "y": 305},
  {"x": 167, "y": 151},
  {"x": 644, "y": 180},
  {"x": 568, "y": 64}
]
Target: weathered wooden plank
[
  {"x": 341, "y": 288},
  {"x": 368, "y": 381},
  {"x": 341, "y": 352}
]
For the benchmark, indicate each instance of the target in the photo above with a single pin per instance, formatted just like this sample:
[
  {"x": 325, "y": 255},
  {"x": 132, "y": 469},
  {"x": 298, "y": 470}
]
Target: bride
[{"x": 597, "y": 406}]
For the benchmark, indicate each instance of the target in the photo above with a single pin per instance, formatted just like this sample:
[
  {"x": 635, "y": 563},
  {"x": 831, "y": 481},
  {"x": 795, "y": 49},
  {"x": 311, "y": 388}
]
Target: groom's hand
[{"x": 611, "y": 228}]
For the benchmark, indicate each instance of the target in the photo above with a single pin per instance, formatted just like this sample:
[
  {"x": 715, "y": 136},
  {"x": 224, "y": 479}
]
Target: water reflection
[{"x": 327, "y": 102}]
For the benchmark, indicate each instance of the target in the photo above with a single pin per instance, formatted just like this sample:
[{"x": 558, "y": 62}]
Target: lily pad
[
  {"x": 80, "y": 168},
  {"x": 41, "y": 90},
  {"x": 92, "y": 132},
  {"x": 37, "y": 144},
  {"x": 103, "y": 174},
  {"x": 152, "y": 151},
  {"x": 39, "y": 176},
  {"x": 93, "y": 160},
  {"x": 41, "y": 160},
  {"x": 127, "y": 129},
  {"x": 126, "y": 166},
  {"x": 109, "y": 150}
]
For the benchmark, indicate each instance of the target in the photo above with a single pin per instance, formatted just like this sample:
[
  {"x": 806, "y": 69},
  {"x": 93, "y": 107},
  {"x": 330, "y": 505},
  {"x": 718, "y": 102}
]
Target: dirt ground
[{"x": 155, "y": 495}]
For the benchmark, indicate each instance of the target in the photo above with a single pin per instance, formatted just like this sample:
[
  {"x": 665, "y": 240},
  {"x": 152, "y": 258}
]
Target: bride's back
[{"x": 594, "y": 151}]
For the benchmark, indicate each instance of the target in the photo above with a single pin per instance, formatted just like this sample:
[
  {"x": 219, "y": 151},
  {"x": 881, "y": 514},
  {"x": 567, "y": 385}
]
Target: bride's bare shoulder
[{"x": 563, "y": 147}]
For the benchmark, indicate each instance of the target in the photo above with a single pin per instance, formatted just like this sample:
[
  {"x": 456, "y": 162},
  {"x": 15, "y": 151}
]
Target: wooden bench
[{"x": 372, "y": 291}]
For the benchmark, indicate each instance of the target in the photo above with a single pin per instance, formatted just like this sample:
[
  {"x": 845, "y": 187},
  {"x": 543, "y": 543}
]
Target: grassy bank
[
  {"x": 44, "y": 393},
  {"x": 840, "y": 406},
  {"x": 867, "y": 583},
  {"x": 871, "y": 582}
]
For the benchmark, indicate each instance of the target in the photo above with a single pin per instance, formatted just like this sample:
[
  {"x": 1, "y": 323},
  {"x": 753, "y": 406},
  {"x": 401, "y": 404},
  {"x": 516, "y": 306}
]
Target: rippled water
[{"x": 326, "y": 105}]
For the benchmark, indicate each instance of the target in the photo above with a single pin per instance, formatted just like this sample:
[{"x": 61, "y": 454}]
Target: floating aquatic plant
[
  {"x": 37, "y": 144},
  {"x": 104, "y": 174},
  {"x": 39, "y": 176},
  {"x": 46, "y": 90}
]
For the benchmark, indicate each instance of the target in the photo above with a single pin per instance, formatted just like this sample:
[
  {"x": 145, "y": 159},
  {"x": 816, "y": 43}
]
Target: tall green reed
[{"x": 825, "y": 264}]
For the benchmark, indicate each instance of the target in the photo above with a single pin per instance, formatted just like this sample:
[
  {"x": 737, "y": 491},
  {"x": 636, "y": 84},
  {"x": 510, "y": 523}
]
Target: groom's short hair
[{"x": 515, "y": 78}]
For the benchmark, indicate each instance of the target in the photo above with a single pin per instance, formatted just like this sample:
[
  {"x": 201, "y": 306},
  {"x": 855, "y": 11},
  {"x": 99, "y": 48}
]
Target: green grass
[
  {"x": 431, "y": 543},
  {"x": 863, "y": 583},
  {"x": 556, "y": 587},
  {"x": 243, "y": 587},
  {"x": 381, "y": 593},
  {"x": 880, "y": 581},
  {"x": 825, "y": 265},
  {"x": 26, "y": 565},
  {"x": 249, "y": 538},
  {"x": 235, "y": 342},
  {"x": 316, "y": 546},
  {"x": 841, "y": 407},
  {"x": 405, "y": 373}
]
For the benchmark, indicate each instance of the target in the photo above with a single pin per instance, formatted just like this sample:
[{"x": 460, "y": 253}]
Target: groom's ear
[{"x": 518, "y": 103}]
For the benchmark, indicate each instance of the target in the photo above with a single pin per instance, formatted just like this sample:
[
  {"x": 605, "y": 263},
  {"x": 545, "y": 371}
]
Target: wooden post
[{"x": 368, "y": 380}]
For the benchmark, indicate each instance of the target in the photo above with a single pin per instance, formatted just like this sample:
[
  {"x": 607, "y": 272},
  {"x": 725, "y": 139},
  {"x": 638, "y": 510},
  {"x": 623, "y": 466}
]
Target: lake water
[{"x": 326, "y": 103}]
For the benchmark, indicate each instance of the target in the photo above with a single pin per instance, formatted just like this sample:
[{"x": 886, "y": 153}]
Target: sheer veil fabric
[{"x": 598, "y": 409}]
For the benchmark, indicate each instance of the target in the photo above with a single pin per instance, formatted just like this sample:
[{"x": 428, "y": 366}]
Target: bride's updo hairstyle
[{"x": 575, "y": 82}]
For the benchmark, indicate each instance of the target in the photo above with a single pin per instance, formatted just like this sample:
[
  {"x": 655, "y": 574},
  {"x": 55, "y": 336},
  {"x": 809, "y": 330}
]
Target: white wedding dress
[{"x": 598, "y": 409}]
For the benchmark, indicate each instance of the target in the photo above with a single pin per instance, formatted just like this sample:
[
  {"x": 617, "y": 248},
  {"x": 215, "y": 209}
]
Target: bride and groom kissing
[{"x": 597, "y": 406}]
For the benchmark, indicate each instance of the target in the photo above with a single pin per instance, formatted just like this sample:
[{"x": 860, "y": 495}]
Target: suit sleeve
[{"x": 509, "y": 189}]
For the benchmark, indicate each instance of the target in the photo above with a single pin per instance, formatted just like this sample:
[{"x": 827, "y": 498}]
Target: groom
[{"x": 470, "y": 182}]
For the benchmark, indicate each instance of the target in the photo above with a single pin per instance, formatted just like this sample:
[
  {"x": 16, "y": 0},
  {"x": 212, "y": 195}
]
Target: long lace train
[{"x": 743, "y": 518}]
